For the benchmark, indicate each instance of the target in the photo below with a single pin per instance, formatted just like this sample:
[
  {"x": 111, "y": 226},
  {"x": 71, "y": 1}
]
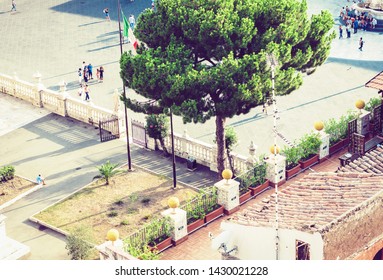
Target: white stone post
[
  {"x": 2, "y": 230},
  {"x": 362, "y": 122},
  {"x": 179, "y": 223},
  {"x": 324, "y": 148},
  {"x": 277, "y": 176},
  {"x": 228, "y": 195},
  {"x": 213, "y": 160},
  {"x": 251, "y": 159}
]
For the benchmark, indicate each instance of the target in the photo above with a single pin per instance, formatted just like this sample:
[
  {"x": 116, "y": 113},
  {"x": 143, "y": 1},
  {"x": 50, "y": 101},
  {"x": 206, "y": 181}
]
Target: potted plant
[
  {"x": 259, "y": 182},
  {"x": 213, "y": 209},
  {"x": 244, "y": 183},
  {"x": 159, "y": 234},
  {"x": 309, "y": 148},
  {"x": 195, "y": 215},
  {"x": 293, "y": 155}
]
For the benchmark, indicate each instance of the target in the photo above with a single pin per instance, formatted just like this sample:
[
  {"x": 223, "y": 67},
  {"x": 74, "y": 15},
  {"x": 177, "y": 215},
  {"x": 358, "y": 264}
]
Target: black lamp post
[
  {"x": 173, "y": 155},
  {"x": 124, "y": 92}
]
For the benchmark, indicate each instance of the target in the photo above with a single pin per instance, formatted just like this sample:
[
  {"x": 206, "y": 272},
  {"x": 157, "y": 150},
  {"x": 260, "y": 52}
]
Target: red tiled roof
[
  {"x": 371, "y": 162},
  {"x": 313, "y": 203},
  {"x": 376, "y": 82}
]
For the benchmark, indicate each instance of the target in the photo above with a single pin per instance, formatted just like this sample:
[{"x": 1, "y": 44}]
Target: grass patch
[{"x": 117, "y": 205}]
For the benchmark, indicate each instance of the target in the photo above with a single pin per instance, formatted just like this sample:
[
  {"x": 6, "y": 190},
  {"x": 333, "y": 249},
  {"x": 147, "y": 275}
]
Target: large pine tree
[{"x": 207, "y": 58}]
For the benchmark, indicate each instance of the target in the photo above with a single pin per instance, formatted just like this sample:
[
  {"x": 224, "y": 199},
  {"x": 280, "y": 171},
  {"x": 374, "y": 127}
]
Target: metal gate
[
  {"x": 357, "y": 144},
  {"x": 109, "y": 129},
  {"x": 377, "y": 120},
  {"x": 139, "y": 133},
  {"x": 351, "y": 129}
]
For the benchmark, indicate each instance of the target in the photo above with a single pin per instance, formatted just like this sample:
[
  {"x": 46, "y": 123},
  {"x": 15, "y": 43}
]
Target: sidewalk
[{"x": 66, "y": 152}]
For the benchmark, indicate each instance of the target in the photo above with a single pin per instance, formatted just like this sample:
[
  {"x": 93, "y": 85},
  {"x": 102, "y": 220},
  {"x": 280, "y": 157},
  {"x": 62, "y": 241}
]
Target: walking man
[
  {"x": 79, "y": 73},
  {"x": 86, "y": 89},
  {"x": 361, "y": 42},
  {"x": 13, "y": 6},
  {"x": 90, "y": 71},
  {"x": 106, "y": 13},
  {"x": 340, "y": 31}
]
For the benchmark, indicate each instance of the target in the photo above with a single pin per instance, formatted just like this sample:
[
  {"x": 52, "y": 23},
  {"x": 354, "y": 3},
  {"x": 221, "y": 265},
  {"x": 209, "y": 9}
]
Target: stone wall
[{"x": 355, "y": 230}]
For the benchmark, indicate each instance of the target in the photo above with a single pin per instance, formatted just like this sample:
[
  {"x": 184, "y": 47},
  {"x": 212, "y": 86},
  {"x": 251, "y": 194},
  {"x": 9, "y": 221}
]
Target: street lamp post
[
  {"x": 173, "y": 155},
  {"x": 124, "y": 92},
  {"x": 273, "y": 63}
]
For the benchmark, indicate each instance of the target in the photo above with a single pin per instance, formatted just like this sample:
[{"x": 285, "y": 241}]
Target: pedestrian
[
  {"x": 98, "y": 74},
  {"x": 361, "y": 43},
  {"x": 40, "y": 180},
  {"x": 86, "y": 90},
  {"x": 374, "y": 22},
  {"x": 348, "y": 30},
  {"x": 80, "y": 91},
  {"x": 132, "y": 22},
  {"x": 101, "y": 74},
  {"x": 79, "y": 76},
  {"x": 90, "y": 71},
  {"x": 264, "y": 109},
  {"x": 356, "y": 26},
  {"x": 86, "y": 74},
  {"x": 106, "y": 13},
  {"x": 340, "y": 31},
  {"x": 13, "y": 6}
]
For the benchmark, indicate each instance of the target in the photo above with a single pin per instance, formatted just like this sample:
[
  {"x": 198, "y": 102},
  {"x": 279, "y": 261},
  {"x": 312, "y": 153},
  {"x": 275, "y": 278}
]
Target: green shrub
[
  {"x": 309, "y": 144},
  {"x": 77, "y": 247},
  {"x": 7, "y": 173},
  {"x": 372, "y": 103},
  {"x": 293, "y": 155}
]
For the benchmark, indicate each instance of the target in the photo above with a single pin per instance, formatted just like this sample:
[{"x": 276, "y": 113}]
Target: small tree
[
  {"x": 157, "y": 127},
  {"x": 107, "y": 171},
  {"x": 76, "y": 244},
  {"x": 231, "y": 141}
]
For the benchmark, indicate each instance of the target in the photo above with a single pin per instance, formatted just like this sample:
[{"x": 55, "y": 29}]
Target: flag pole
[{"x": 124, "y": 92}]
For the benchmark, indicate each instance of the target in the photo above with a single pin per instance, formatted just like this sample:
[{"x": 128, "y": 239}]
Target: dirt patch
[
  {"x": 13, "y": 188},
  {"x": 130, "y": 201}
]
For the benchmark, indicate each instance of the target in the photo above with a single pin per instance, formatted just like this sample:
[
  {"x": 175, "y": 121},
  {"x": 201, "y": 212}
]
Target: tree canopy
[{"x": 208, "y": 58}]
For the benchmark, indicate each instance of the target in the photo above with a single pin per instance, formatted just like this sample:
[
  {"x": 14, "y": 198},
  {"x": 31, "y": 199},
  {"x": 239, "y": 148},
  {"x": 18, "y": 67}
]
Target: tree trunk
[
  {"x": 165, "y": 151},
  {"x": 230, "y": 159},
  {"x": 220, "y": 139}
]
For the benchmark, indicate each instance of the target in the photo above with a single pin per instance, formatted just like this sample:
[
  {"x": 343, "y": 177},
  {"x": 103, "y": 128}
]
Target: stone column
[
  {"x": 228, "y": 195},
  {"x": 324, "y": 148},
  {"x": 2, "y": 230},
  {"x": 362, "y": 122},
  {"x": 39, "y": 87},
  {"x": 62, "y": 104},
  {"x": 276, "y": 169},
  {"x": 252, "y": 159},
  {"x": 179, "y": 223}
]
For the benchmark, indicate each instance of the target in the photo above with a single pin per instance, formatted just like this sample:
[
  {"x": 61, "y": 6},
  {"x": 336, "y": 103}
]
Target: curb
[{"x": 20, "y": 196}]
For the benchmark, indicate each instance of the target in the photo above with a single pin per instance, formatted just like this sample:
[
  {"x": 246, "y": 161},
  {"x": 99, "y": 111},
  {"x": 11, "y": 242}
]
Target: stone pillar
[
  {"x": 213, "y": 160},
  {"x": 228, "y": 195},
  {"x": 39, "y": 87},
  {"x": 251, "y": 159},
  {"x": 276, "y": 175},
  {"x": 179, "y": 223},
  {"x": 362, "y": 122},
  {"x": 2, "y": 230},
  {"x": 324, "y": 148}
]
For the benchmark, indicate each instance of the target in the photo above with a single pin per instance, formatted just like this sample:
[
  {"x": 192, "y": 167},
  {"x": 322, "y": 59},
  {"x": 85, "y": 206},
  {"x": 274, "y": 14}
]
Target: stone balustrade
[{"x": 57, "y": 102}]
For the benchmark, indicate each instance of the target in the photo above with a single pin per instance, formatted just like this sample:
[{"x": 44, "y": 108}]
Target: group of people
[
  {"x": 356, "y": 20},
  {"x": 85, "y": 73}
]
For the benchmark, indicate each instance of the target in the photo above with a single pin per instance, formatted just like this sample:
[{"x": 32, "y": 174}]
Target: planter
[
  {"x": 161, "y": 246},
  {"x": 244, "y": 197},
  {"x": 338, "y": 146},
  {"x": 214, "y": 214},
  {"x": 259, "y": 189},
  {"x": 193, "y": 226},
  {"x": 309, "y": 162},
  {"x": 293, "y": 171}
]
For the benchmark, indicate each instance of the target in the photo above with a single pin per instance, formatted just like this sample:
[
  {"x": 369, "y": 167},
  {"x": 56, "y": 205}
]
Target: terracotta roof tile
[
  {"x": 314, "y": 202},
  {"x": 371, "y": 162}
]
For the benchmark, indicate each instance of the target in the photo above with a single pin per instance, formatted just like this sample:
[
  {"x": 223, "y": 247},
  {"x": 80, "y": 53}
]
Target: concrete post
[
  {"x": 324, "y": 148},
  {"x": 276, "y": 169},
  {"x": 362, "y": 122},
  {"x": 228, "y": 195},
  {"x": 179, "y": 223}
]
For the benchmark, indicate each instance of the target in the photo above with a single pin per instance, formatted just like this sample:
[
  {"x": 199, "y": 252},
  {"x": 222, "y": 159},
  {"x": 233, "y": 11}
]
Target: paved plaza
[{"x": 53, "y": 37}]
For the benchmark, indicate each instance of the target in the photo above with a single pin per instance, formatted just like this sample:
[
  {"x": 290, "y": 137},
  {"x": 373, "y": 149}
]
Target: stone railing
[
  {"x": 57, "y": 102},
  {"x": 206, "y": 154}
]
